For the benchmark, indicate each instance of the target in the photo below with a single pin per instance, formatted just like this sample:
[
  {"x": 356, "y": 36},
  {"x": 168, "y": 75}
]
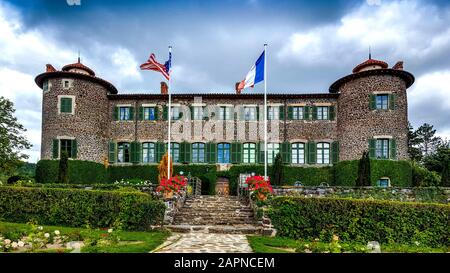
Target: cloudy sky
[{"x": 311, "y": 44}]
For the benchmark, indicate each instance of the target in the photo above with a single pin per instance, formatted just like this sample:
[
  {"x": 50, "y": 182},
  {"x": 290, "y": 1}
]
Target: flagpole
[
  {"x": 265, "y": 112},
  {"x": 170, "y": 118}
]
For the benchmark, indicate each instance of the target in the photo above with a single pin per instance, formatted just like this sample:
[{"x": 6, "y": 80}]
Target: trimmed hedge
[
  {"x": 73, "y": 207},
  {"x": 80, "y": 172},
  {"x": 399, "y": 172},
  {"x": 361, "y": 220}
]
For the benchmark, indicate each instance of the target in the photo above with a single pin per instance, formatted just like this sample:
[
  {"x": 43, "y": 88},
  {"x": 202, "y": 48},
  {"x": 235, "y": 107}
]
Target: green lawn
[
  {"x": 130, "y": 241},
  {"x": 263, "y": 244}
]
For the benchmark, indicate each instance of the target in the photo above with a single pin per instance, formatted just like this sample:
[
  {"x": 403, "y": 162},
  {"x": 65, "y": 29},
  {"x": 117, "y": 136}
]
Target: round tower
[
  {"x": 74, "y": 113},
  {"x": 373, "y": 111}
]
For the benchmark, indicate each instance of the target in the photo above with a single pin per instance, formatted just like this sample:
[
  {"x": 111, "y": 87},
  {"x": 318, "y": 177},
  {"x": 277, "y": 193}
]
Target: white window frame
[{"x": 250, "y": 113}]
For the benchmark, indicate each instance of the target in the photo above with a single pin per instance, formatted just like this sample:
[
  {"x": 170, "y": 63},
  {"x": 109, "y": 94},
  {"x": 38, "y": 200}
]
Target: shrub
[
  {"x": 277, "y": 170},
  {"x": 361, "y": 220},
  {"x": 73, "y": 207},
  {"x": 399, "y": 172},
  {"x": 364, "y": 171},
  {"x": 63, "y": 172},
  {"x": 80, "y": 172},
  {"x": 422, "y": 177}
]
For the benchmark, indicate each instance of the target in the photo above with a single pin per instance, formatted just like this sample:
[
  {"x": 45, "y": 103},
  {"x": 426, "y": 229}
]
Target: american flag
[{"x": 152, "y": 64}]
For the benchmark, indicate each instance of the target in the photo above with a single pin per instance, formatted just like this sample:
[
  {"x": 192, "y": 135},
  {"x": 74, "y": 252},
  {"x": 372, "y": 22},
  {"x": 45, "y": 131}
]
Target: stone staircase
[{"x": 215, "y": 214}]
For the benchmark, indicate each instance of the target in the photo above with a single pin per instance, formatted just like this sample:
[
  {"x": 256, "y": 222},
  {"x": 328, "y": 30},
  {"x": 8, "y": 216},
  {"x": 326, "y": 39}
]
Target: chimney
[
  {"x": 398, "y": 66},
  {"x": 164, "y": 88},
  {"x": 238, "y": 92},
  {"x": 50, "y": 68}
]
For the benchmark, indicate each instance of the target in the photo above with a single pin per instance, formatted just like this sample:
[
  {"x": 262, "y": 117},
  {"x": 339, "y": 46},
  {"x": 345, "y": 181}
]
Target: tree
[
  {"x": 434, "y": 162},
  {"x": 364, "y": 171},
  {"x": 63, "y": 175},
  {"x": 413, "y": 142},
  {"x": 277, "y": 170},
  {"x": 445, "y": 176},
  {"x": 12, "y": 142},
  {"x": 428, "y": 142}
]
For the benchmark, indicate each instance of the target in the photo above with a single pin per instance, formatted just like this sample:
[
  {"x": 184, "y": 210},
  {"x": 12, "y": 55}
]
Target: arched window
[
  {"x": 223, "y": 153},
  {"x": 272, "y": 150},
  {"x": 249, "y": 153},
  {"x": 298, "y": 153},
  {"x": 198, "y": 152},
  {"x": 323, "y": 153},
  {"x": 123, "y": 152},
  {"x": 174, "y": 151},
  {"x": 148, "y": 152}
]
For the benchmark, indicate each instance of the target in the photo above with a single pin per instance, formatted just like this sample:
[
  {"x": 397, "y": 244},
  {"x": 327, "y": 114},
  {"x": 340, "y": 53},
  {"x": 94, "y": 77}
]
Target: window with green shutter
[
  {"x": 332, "y": 112},
  {"x": 249, "y": 153},
  {"x": 392, "y": 101},
  {"x": 314, "y": 112},
  {"x": 148, "y": 152},
  {"x": 67, "y": 145},
  {"x": 160, "y": 151},
  {"x": 116, "y": 113},
  {"x": 185, "y": 152},
  {"x": 372, "y": 144},
  {"x": 135, "y": 152},
  {"x": 307, "y": 112},
  {"x": 372, "y": 102},
  {"x": 282, "y": 114},
  {"x": 298, "y": 153},
  {"x": 66, "y": 105}
]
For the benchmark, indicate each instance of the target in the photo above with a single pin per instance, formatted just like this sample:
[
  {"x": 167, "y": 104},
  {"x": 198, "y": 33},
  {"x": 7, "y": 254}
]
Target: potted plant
[{"x": 172, "y": 185}]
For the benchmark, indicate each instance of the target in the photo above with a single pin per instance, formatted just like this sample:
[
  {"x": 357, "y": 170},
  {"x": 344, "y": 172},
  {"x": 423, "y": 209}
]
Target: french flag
[{"x": 255, "y": 75}]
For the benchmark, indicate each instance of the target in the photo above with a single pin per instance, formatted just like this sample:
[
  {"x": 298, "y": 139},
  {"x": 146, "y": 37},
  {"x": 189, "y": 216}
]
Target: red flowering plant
[
  {"x": 260, "y": 187},
  {"x": 172, "y": 185}
]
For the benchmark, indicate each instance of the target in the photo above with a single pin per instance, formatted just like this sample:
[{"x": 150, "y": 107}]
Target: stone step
[
  {"x": 215, "y": 215},
  {"x": 215, "y": 221},
  {"x": 237, "y": 229},
  {"x": 190, "y": 209}
]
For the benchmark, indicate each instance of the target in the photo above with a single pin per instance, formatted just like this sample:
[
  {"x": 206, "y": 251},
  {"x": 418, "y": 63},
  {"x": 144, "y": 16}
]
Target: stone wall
[{"x": 436, "y": 195}]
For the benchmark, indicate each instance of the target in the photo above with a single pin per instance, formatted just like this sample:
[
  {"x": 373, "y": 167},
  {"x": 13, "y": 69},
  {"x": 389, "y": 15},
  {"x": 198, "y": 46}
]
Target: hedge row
[
  {"x": 80, "y": 172},
  {"x": 399, "y": 172},
  {"x": 361, "y": 220},
  {"x": 73, "y": 207},
  {"x": 342, "y": 174}
]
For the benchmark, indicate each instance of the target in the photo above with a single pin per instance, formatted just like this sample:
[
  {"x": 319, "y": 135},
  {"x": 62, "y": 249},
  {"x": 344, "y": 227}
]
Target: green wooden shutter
[
  {"x": 281, "y": 117},
  {"x": 138, "y": 152},
  {"x": 187, "y": 152},
  {"x": 312, "y": 152},
  {"x": 236, "y": 152},
  {"x": 116, "y": 113},
  {"x": 392, "y": 149},
  {"x": 112, "y": 152},
  {"x": 335, "y": 152},
  {"x": 131, "y": 113},
  {"x": 332, "y": 114},
  {"x": 74, "y": 148},
  {"x": 290, "y": 113},
  {"x": 239, "y": 149},
  {"x": 257, "y": 112},
  {"x": 160, "y": 150},
  {"x": 286, "y": 152},
  {"x": 55, "y": 150},
  {"x": 372, "y": 147},
  {"x": 182, "y": 152},
  {"x": 211, "y": 152},
  {"x": 392, "y": 101},
  {"x": 133, "y": 152},
  {"x": 372, "y": 102},
  {"x": 156, "y": 112},
  {"x": 165, "y": 112},
  {"x": 307, "y": 110},
  {"x": 314, "y": 112},
  {"x": 141, "y": 113}
]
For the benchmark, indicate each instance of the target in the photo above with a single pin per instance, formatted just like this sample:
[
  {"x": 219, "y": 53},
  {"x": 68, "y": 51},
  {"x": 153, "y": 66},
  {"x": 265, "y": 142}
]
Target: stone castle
[{"x": 86, "y": 117}]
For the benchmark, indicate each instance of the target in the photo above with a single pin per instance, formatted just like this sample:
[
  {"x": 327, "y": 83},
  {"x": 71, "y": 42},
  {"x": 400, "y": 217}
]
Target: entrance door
[{"x": 222, "y": 186}]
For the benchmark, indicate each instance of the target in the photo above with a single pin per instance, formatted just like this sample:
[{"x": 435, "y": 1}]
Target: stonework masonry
[{"x": 355, "y": 122}]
